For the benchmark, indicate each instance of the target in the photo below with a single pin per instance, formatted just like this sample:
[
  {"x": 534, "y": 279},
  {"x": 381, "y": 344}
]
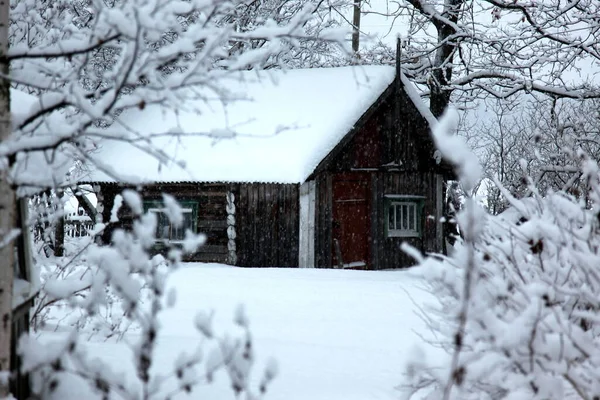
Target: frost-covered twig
[
  {"x": 527, "y": 323},
  {"x": 121, "y": 271}
]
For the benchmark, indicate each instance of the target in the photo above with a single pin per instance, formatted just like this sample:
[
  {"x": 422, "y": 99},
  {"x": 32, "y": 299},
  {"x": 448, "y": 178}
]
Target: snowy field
[{"x": 335, "y": 334}]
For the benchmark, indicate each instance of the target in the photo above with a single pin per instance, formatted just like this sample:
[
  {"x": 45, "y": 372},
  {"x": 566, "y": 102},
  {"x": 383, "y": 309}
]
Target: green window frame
[
  {"x": 404, "y": 215},
  {"x": 166, "y": 232}
]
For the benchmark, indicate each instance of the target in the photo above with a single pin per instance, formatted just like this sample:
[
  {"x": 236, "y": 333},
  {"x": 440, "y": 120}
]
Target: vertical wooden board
[
  {"x": 281, "y": 227},
  {"x": 431, "y": 231},
  {"x": 321, "y": 243},
  {"x": 249, "y": 224},
  {"x": 375, "y": 222},
  {"x": 323, "y": 223},
  {"x": 276, "y": 212},
  {"x": 286, "y": 223},
  {"x": 261, "y": 226},
  {"x": 289, "y": 227},
  {"x": 295, "y": 231},
  {"x": 242, "y": 224},
  {"x": 239, "y": 223},
  {"x": 254, "y": 224},
  {"x": 319, "y": 206},
  {"x": 285, "y": 226},
  {"x": 328, "y": 221},
  {"x": 234, "y": 188},
  {"x": 269, "y": 235},
  {"x": 259, "y": 257},
  {"x": 275, "y": 216}
]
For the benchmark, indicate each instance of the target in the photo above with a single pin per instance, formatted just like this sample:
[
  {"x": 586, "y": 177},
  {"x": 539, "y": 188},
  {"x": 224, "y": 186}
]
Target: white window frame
[
  {"x": 396, "y": 203},
  {"x": 156, "y": 210}
]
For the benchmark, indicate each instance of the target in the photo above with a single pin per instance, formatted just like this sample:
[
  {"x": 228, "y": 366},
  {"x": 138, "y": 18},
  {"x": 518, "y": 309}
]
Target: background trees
[
  {"x": 517, "y": 311},
  {"x": 532, "y": 139},
  {"x": 498, "y": 48}
]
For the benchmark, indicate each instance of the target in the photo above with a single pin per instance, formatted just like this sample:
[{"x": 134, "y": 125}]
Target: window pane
[
  {"x": 162, "y": 226},
  {"x": 404, "y": 216},
  {"x": 166, "y": 231},
  {"x": 178, "y": 233},
  {"x": 188, "y": 221},
  {"x": 398, "y": 216},
  {"x": 391, "y": 217},
  {"x": 411, "y": 218}
]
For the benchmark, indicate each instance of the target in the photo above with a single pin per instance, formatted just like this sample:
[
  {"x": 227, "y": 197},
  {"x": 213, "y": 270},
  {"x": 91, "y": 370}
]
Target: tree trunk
[
  {"x": 84, "y": 202},
  {"x": 444, "y": 55},
  {"x": 356, "y": 26},
  {"x": 59, "y": 229},
  {"x": 7, "y": 211}
]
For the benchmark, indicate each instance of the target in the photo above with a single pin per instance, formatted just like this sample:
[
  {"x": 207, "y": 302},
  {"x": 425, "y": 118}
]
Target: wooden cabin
[{"x": 354, "y": 176}]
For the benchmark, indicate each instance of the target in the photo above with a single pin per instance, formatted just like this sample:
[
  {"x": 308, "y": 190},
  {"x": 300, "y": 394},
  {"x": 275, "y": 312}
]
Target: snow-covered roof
[{"x": 278, "y": 129}]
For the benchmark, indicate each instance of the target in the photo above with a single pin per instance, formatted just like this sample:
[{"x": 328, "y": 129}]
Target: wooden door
[{"x": 351, "y": 223}]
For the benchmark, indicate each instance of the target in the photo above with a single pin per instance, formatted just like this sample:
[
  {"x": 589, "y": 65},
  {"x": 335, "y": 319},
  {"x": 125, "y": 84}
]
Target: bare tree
[
  {"x": 533, "y": 138},
  {"x": 499, "y": 47}
]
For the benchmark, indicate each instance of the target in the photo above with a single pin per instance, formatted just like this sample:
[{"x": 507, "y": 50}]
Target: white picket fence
[{"x": 77, "y": 224}]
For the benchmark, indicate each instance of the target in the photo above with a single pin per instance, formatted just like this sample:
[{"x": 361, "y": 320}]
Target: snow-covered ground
[{"x": 336, "y": 334}]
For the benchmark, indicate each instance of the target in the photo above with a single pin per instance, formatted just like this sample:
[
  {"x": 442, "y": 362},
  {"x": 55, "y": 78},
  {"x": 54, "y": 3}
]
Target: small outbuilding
[{"x": 328, "y": 167}]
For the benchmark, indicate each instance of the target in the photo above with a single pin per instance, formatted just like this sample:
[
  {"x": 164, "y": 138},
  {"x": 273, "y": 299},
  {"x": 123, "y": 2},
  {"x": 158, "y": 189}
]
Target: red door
[{"x": 351, "y": 223}]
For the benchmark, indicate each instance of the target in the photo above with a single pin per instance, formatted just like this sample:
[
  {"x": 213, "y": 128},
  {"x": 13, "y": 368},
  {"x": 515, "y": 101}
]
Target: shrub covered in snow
[
  {"x": 126, "y": 285},
  {"x": 519, "y": 299}
]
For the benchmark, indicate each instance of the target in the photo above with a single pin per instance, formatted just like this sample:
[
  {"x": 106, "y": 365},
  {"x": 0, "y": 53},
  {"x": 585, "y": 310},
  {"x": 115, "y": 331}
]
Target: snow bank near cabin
[{"x": 277, "y": 127}]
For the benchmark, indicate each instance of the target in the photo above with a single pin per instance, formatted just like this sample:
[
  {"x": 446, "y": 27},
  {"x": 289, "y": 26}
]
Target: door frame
[{"x": 365, "y": 178}]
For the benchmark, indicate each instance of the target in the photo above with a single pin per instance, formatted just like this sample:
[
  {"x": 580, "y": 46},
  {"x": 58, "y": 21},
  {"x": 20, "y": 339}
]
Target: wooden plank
[
  {"x": 287, "y": 223},
  {"x": 253, "y": 224},
  {"x": 207, "y": 257},
  {"x": 295, "y": 231},
  {"x": 263, "y": 227},
  {"x": 328, "y": 221},
  {"x": 209, "y": 248},
  {"x": 241, "y": 209},
  {"x": 320, "y": 221},
  {"x": 204, "y": 224},
  {"x": 277, "y": 226},
  {"x": 272, "y": 235},
  {"x": 376, "y": 221},
  {"x": 281, "y": 226}
]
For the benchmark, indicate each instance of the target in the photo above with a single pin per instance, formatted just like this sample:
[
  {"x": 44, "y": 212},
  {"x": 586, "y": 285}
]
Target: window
[
  {"x": 166, "y": 231},
  {"x": 404, "y": 215}
]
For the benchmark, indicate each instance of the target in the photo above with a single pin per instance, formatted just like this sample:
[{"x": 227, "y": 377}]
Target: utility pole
[
  {"x": 8, "y": 211},
  {"x": 356, "y": 26}
]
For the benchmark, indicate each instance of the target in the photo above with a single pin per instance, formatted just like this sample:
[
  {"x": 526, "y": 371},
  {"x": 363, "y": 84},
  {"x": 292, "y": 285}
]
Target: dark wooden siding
[
  {"x": 393, "y": 145},
  {"x": 392, "y": 135},
  {"x": 386, "y": 251},
  {"x": 212, "y": 216},
  {"x": 415, "y": 146},
  {"x": 267, "y": 223},
  {"x": 323, "y": 220},
  {"x": 267, "y": 220}
]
